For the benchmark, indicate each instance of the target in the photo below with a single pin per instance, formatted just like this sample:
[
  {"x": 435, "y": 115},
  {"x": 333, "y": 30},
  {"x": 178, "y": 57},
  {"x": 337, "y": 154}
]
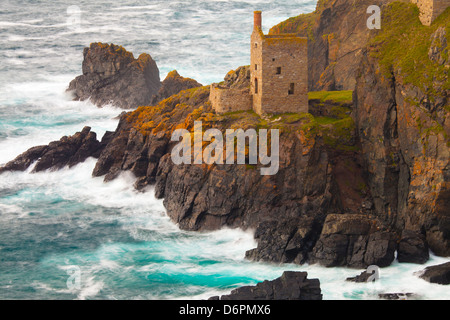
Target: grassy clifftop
[
  {"x": 303, "y": 23},
  {"x": 405, "y": 45},
  {"x": 335, "y": 129}
]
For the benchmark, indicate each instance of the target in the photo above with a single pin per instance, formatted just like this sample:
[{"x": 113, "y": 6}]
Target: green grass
[
  {"x": 402, "y": 45},
  {"x": 335, "y": 96},
  {"x": 325, "y": 120},
  {"x": 302, "y": 24},
  {"x": 336, "y": 133}
]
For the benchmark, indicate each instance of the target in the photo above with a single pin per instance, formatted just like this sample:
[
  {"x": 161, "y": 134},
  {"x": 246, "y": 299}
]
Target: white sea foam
[
  {"x": 200, "y": 254},
  {"x": 42, "y": 55},
  {"x": 90, "y": 288}
]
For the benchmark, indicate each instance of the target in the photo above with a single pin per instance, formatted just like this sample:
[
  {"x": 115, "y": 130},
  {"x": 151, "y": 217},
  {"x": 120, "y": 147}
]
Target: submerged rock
[
  {"x": 397, "y": 296},
  {"x": 363, "y": 277},
  {"x": 290, "y": 286}
]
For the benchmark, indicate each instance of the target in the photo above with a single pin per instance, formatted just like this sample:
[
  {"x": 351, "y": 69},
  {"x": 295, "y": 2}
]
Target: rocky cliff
[
  {"x": 351, "y": 190},
  {"x": 356, "y": 182},
  {"x": 320, "y": 173},
  {"x": 337, "y": 34},
  {"x": 111, "y": 75},
  {"x": 403, "y": 120}
]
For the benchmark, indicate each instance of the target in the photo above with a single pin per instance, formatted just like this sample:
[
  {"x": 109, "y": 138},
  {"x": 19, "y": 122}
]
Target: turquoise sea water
[{"x": 120, "y": 241}]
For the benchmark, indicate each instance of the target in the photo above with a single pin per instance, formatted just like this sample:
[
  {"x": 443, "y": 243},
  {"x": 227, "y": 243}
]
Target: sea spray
[{"x": 124, "y": 244}]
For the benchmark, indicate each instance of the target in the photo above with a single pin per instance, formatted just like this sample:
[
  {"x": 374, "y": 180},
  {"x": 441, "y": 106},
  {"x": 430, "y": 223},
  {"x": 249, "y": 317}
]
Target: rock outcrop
[
  {"x": 361, "y": 278},
  {"x": 356, "y": 241},
  {"x": 237, "y": 79},
  {"x": 398, "y": 296},
  {"x": 439, "y": 274},
  {"x": 413, "y": 248},
  {"x": 172, "y": 84},
  {"x": 337, "y": 34},
  {"x": 287, "y": 241},
  {"x": 111, "y": 75},
  {"x": 68, "y": 151},
  {"x": 290, "y": 286}
]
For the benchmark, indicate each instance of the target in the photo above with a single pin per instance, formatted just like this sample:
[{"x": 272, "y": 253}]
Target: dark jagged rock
[
  {"x": 112, "y": 75},
  {"x": 412, "y": 248},
  {"x": 403, "y": 121},
  {"x": 397, "y": 296},
  {"x": 237, "y": 79},
  {"x": 290, "y": 286},
  {"x": 363, "y": 277},
  {"x": 205, "y": 198},
  {"x": 353, "y": 240},
  {"x": 68, "y": 151},
  {"x": 173, "y": 84},
  {"x": 439, "y": 274},
  {"x": 285, "y": 241},
  {"x": 134, "y": 149},
  {"x": 23, "y": 161},
  {"x": 200, "y": 197}
]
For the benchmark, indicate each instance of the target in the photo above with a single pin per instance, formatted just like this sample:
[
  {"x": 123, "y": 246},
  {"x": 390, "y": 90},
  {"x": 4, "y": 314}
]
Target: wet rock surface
[
  {"x": 439, "y": 274},
  {"x": 68, "y": 151},
  {"x": 290, "y": 286},
  {"x": 398, "y": 296},
  {"x": 357, "y": 241},
  {"x": 412, "y": 248}
]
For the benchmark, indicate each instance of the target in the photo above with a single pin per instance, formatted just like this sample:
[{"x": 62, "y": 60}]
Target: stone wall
[
  {"x": 230, "y": 100},
  {"x": 278, "y": 76},
  {"x": 431, "y": 9},
  {"x": 279, "y": 67},
  {"x": 284, "y": 74}
]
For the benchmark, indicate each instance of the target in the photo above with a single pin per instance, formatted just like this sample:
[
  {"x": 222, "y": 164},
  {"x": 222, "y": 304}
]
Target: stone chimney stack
[{"x": 257, "y": 20}]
